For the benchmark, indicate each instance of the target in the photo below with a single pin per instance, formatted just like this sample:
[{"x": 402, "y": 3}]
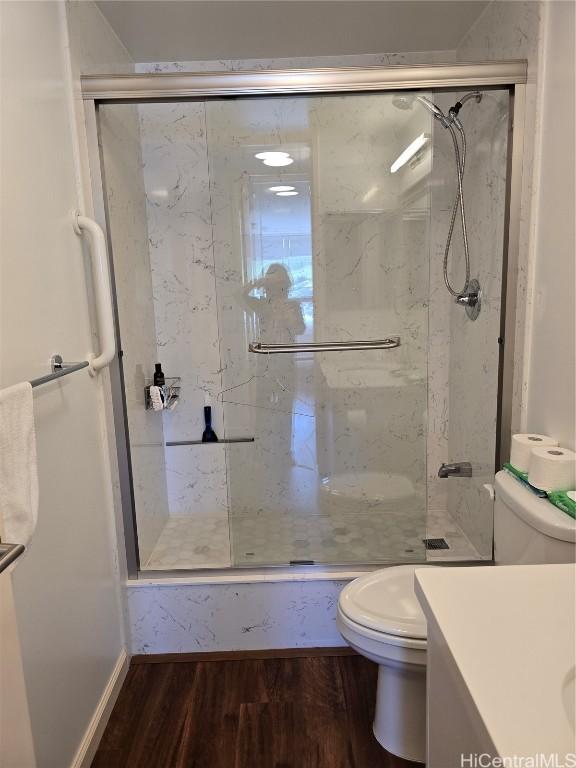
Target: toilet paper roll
[
  {"x": 521, "y": 449},
  {"x": 552, "y": 469}
]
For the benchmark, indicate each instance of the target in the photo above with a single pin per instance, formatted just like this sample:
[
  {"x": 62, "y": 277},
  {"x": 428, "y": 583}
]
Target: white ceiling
[{"x": 188, "y": 30}]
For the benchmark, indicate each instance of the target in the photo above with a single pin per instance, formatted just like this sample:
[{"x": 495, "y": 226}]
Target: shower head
[{"x": 434, "y": 109}]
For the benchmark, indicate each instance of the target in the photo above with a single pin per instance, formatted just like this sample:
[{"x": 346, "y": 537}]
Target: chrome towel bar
[
  {"x": 59, "y": 369},
  {"x": 329, "y": 346},
  {"x": 9, "y": 553}
]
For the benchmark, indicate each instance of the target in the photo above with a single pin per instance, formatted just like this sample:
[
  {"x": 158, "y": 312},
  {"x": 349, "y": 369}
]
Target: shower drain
[{"x": 435, "y": 544}]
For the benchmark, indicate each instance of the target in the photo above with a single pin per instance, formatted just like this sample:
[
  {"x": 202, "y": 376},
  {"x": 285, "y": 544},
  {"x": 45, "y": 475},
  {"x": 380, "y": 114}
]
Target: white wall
[
  {"x": 66, "y": 585},
  {"x": 552, "y": 358},
  {"x": 16, "y": 742},
  {"x": 157, "y": 31}
]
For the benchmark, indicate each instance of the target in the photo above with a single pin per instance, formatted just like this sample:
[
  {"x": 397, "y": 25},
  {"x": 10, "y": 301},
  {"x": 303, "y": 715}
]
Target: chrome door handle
[{"x": 329, "y": 346}]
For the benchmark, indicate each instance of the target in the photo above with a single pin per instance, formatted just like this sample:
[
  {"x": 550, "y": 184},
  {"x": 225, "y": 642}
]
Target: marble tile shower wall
[
  {"x": 474, "y": 347},
  {"x": 177, "y": 182},
  {"x": 463, "y": 356},
  {"x": 305, "y": 62},
  {"x": 196, "y": 249}
]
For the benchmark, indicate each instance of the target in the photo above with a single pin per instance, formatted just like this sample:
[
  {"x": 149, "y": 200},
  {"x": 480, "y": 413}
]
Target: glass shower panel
[
  {"x": 127, "y": 218},
  {"x": 316, "y": 240}
]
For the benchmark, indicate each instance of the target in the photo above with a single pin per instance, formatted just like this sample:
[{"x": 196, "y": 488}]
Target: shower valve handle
[
  {"x": 467, "y": 299},
  {"x": 471, "y": 300}
]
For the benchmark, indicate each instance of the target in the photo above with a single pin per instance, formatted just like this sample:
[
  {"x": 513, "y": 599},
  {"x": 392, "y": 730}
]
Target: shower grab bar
[
  {"x": 102, "y": 292},
  {"x": 330, "y": 346}
]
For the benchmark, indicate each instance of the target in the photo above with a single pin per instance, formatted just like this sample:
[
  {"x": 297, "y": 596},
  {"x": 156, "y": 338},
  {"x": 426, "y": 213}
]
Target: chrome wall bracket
[{"x": 57, "y": 364}]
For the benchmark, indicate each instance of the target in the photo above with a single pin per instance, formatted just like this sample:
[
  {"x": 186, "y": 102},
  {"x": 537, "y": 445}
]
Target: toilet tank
[{"x": 528, "y": 529}]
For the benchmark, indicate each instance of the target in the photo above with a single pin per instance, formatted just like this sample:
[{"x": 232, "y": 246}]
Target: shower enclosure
[{"x": 276, "y": 243}]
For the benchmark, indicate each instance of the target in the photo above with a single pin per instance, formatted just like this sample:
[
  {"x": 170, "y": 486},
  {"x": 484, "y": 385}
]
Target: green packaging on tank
[
  {"x": 523, "y": 478},
  {"x": 562, "y": 500}
]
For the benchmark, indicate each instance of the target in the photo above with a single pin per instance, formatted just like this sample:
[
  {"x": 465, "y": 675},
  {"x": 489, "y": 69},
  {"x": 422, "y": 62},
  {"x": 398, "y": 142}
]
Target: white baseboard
[{"x": 91, "y": 740}]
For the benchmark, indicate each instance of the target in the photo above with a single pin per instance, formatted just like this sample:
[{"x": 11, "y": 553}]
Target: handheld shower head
[{"x": 434, "y": 109}]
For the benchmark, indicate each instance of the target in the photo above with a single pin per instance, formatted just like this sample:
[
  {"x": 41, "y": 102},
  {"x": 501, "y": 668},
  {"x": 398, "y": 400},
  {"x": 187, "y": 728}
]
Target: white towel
[{"x": 18, "y": 466}]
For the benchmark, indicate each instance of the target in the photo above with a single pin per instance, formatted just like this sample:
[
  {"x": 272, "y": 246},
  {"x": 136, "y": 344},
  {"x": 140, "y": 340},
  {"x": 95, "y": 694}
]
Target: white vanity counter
[{"x": 502, "y": 648}]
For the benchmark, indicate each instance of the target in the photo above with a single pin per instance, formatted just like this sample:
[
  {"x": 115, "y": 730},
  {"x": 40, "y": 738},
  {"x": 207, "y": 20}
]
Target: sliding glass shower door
[
  {"x": 281, "y": 258},
  {"x": 317, "y": 242}
]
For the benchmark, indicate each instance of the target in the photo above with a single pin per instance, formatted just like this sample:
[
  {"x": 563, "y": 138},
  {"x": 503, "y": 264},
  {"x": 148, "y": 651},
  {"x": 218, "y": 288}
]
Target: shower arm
[{"x": 453, "y": 111}]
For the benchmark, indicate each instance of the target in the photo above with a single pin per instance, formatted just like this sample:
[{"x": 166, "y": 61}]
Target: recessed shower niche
[{"x": 284, "y": 258}]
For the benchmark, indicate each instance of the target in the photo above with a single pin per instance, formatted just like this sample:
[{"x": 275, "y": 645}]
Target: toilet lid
[{"x": 385, "y": 601}]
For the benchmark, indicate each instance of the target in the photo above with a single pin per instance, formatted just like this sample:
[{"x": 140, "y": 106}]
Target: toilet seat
[
  {"x": 346, "y": 625},
  {"x": 383, "y": 604}
]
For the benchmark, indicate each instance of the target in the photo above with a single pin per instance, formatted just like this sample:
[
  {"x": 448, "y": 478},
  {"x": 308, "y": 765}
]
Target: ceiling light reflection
[
  {"x": 409, "y": 152},
  {"x": 266, "y": 155},
  {"x": 276, "y": 162}
]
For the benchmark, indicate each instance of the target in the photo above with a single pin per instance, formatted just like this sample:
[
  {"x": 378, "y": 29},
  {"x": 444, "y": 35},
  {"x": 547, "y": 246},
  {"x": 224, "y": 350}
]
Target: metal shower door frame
[{"x": 182, "y": 86}]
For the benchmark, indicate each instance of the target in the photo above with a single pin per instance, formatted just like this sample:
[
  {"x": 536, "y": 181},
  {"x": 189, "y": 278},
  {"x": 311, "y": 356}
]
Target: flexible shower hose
[{"x": 460, "y": 157}]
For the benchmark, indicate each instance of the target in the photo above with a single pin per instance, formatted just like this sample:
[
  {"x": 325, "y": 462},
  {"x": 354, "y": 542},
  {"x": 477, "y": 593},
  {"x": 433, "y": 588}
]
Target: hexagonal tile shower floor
[{"x": 204, "y": 541}]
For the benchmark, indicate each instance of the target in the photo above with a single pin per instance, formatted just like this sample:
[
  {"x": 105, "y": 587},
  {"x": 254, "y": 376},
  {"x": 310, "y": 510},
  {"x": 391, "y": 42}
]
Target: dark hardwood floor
[{"x": 312, "y": 712}]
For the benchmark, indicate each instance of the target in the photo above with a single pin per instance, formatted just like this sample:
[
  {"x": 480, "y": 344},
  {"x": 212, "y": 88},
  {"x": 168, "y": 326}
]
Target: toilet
[{"x": 380, "y": 617}]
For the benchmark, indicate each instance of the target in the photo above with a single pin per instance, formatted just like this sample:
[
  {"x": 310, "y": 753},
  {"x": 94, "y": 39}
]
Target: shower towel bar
[
  {"x": 59, "y": 369},
  {"x": 330, "y": 346}
]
